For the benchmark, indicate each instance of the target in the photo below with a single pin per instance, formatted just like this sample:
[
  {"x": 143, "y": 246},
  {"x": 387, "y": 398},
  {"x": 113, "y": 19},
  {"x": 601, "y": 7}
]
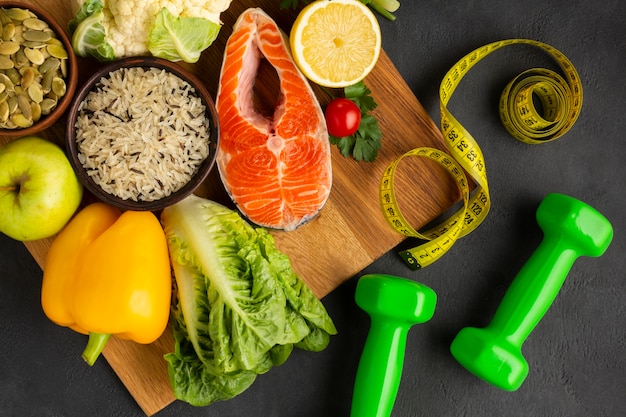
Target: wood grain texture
[{"x": 348, "y": 234}]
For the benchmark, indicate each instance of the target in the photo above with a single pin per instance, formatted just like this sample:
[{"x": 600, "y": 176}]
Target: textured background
[{"x": 576, "y": 353}]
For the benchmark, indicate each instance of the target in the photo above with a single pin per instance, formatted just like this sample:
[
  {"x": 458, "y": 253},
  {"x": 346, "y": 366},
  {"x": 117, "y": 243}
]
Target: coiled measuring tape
[{"x": 560, "y": 101}]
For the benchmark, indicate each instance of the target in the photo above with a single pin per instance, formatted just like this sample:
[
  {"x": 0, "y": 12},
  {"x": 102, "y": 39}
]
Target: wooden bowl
[
  {"x": 71, "y": 80},
  {"x": 204, "y": 168}
]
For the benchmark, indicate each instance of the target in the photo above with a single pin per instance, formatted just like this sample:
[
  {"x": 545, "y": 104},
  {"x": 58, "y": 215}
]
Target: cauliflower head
[{"x": 171, "y": 29}]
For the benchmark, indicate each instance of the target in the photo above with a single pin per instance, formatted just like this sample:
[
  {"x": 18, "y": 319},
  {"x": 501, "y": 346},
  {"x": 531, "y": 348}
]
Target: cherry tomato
[{"x": 343, "y": 117}]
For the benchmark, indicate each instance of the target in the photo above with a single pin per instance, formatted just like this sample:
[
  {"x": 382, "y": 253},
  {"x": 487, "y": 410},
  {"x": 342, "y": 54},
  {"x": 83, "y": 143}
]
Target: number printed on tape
[{"x": 561, "y": 101}]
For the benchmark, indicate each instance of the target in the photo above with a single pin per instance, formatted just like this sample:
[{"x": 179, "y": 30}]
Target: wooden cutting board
[{"x": 348, "y": 234}]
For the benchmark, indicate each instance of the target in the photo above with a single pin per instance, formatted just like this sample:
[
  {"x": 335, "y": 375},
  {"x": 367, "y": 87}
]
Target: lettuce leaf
[
  {"x": 181, "y": 38},
  {"x": 239, "y": 309},
  {"x": 192, "y": 383}
]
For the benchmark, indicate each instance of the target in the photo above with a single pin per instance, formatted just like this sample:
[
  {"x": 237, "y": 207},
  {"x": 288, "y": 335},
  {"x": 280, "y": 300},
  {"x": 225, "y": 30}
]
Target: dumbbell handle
[
  {"x": 380, "y": 369},
  {"x": 533, "y": 290}
]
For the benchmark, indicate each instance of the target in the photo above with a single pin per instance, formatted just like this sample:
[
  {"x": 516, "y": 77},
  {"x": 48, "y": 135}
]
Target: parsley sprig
[
  {"x": 364, "y": 144},
  {"x": 292, "y": 4}
]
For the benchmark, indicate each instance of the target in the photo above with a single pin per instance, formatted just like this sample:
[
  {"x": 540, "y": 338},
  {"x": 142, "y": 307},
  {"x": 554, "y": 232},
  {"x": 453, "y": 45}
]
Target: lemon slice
[{"x": 335, "y": 43}]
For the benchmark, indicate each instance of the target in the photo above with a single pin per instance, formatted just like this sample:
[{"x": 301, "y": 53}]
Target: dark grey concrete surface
[{"x": 577, "y": 352}]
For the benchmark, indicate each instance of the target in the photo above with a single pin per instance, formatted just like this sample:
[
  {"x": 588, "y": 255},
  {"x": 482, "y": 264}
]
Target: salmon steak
[{"x": 277, "y": 168}]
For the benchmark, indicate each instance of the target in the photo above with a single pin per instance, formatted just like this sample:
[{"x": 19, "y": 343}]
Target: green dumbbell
[
  {"x": 394, "y": 305},
  {"x": 571, "y": 229}
]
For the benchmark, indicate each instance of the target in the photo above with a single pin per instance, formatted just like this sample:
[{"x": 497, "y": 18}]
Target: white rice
[{"x": 142, "y": 134}]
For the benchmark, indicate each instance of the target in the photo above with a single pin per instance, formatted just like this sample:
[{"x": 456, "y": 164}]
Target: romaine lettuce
[{"x": 240, "y": 307}]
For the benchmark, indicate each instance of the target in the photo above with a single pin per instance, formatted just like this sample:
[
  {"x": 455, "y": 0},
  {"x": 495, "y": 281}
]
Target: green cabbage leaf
[{"x": 239, "y": 307}]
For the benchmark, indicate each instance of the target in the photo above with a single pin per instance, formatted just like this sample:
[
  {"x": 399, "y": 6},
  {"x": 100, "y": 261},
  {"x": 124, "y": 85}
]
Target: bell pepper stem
[{"x": 95, "y": 344}]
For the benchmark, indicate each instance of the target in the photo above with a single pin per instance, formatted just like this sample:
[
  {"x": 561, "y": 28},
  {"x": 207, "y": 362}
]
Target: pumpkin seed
[
  {"x": 58, "y": 86},
  {"x": 27, "y": 68},
  {"x": 33, "y": 44},
  {"x": 20, "y": 58},
  {"x": 4, "y": 111},
  {"x": 9, "y": 48},
  {"x": 47, "y": 105},
  {"x": 50, "y": 64},
  {"x": 35, "y": 93},
  {"x": 36, "y": 36},
  {"x": 34, "y": 55},
  {"x": 14, "y": 76},
  {"x": 57, "y": 51},
  {"x": 24, "y": 105},
  {"x": 4, "y": 96},
  {"x": 12, "y": 102},
  {"x": 6, "y": 81},
  {"x": 18, "y": 14},
  {"x": 46, "y": 82},
  {"x": 27, "y": 78},
  {"x": 8, "y": 31},
  {"x": 6, "y": 62},
  {"x": 21, "y": 121},
  {"x": 55, "y": 41},
  {"x": 36, "y": 111},
  {"x": 18, "y": 36},
  {"x": 64, "y": 68},
  {"x": 35, "y": 24}
]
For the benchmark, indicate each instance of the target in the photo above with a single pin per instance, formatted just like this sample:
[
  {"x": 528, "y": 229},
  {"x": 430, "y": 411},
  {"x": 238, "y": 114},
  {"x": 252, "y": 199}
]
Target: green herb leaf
[
  {"x": 345, "y": 144},
  {"x": 360, "y": 94},
  {"x": 292, "y": 4},
  {"x": 368, "y": 139}
]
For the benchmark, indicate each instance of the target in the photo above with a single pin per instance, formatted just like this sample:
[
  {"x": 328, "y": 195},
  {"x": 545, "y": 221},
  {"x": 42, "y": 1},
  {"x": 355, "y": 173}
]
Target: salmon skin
[{"x": 276, "y": 169}]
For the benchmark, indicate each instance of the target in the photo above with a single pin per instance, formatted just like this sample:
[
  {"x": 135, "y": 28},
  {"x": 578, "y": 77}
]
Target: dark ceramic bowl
[
  {"x": 71, "y": 80},
  {"x": 204, "y": 168}
]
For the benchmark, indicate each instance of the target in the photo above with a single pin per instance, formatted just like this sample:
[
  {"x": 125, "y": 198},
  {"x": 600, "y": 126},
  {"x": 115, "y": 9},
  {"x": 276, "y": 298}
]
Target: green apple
[{"x": 39, "y": 191}]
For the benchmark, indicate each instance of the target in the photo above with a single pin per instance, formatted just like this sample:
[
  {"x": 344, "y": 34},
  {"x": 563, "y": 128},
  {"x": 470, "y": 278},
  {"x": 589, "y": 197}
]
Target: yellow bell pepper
[{"x": 108, "y": 273}]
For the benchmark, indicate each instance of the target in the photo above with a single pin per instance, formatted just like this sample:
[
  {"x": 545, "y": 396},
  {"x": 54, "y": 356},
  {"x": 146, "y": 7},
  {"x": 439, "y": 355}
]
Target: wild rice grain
[{"x": 142, "y": 133}]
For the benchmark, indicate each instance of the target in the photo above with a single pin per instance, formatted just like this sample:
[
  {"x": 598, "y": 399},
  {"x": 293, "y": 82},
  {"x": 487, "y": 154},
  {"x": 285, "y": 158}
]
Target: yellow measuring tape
[{"x": 560, "y": 102}]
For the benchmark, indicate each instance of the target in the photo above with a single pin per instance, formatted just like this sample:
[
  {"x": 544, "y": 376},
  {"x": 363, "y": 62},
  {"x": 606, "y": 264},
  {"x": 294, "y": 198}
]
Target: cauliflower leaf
[
  {"x": 181, "y": 38},
  {"x": 89, "y": 34}
]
